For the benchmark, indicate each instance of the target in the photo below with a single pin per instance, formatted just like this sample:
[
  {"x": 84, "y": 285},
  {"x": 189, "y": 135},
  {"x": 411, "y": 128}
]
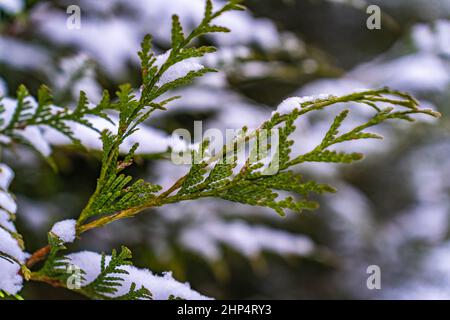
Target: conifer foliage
[{"x": 220, "y": 175}]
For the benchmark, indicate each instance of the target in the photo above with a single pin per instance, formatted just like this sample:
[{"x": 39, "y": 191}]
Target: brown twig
[{"x": 37, "y": 256}]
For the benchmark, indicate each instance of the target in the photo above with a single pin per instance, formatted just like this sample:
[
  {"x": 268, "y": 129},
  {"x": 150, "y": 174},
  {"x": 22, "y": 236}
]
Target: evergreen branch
[
  {"x": 213, "y": 178},
  {"x": 55, "y": 267},
  {"x": 44, "y": 113},
  {"x": 108, "y": 282},
  {"x": 110, "y": 195},
  {"x": 105, "y": 286}
]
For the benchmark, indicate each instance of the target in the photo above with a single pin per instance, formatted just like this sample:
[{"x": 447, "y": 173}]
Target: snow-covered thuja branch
[
  {"x": 24, "y": 120},
  {"x": 12, "y": 255},
  {"x": 219, "y": 174}
]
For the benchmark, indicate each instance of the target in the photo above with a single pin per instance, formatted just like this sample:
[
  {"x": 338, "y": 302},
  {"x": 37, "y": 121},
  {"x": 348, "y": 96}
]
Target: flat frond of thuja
[
  {"x": 180, "y": 51},
  {"x": 216, "y": 176},
  {"x": 213, "y": 178},
  {"x": 107, "y": 283},
  {"x": 45, "y": 113},
  {"x": 57, "y": 270},
  {"x": 56, "y": 266},
  {"x": 136, "y": 294},
  {"x": 113, "y": 192},
  {"x": 193, "y": 182},
  {"x": 116, "y": 191}
]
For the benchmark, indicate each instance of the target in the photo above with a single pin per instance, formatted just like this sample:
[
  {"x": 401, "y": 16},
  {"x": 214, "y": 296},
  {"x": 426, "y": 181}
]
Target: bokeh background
[{"x": 391, "y": 210}]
